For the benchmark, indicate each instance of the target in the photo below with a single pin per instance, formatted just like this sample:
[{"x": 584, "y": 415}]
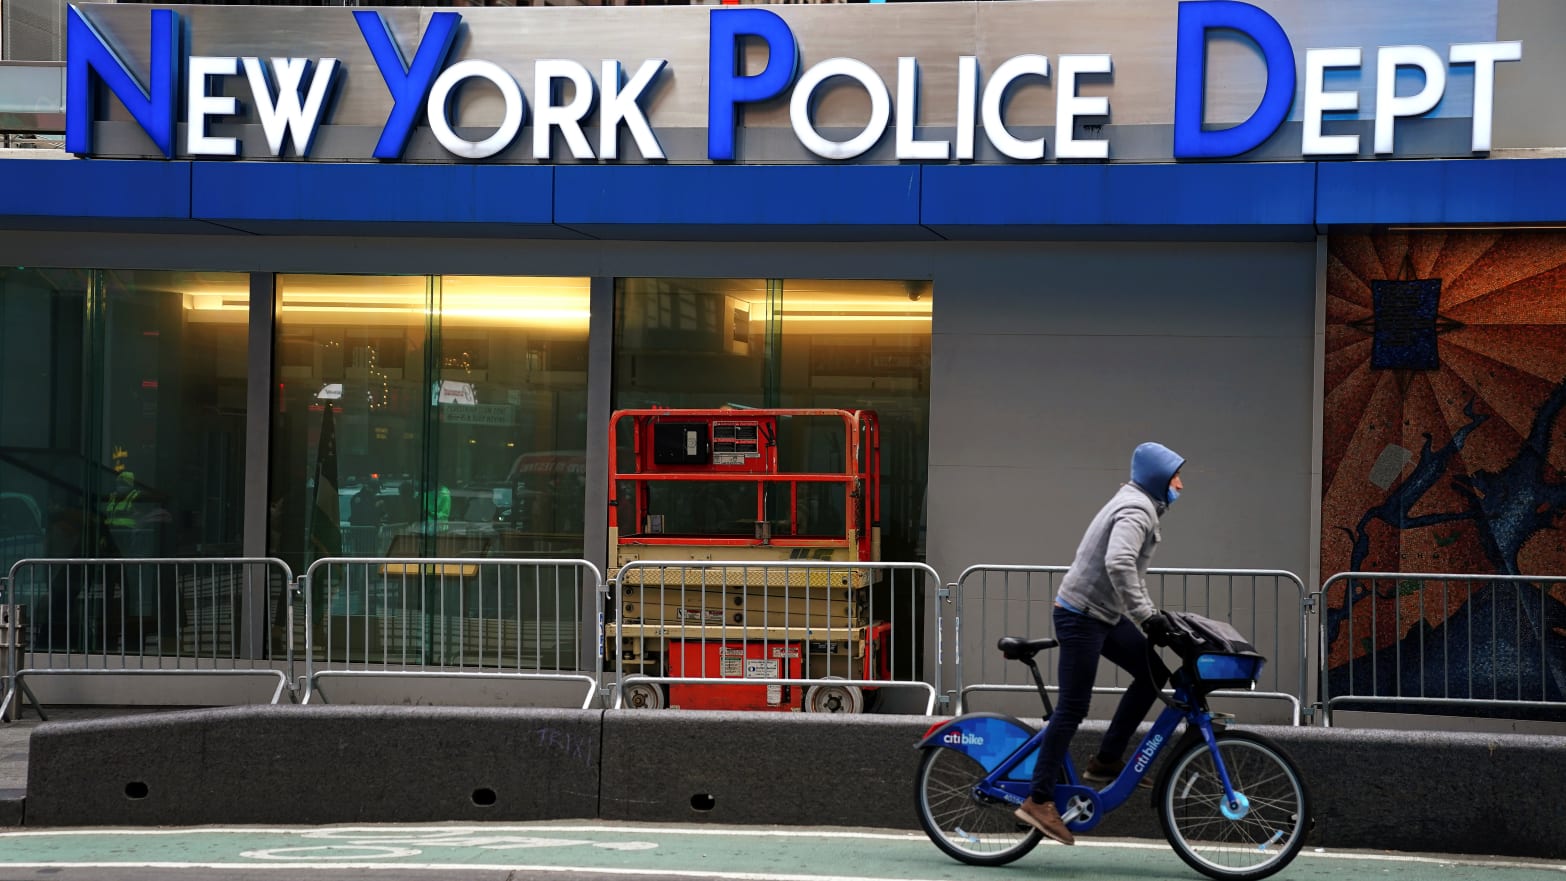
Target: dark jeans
[{"x": 1082, "y": 640}]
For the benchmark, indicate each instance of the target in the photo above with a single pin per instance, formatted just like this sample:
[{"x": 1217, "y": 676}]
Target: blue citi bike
[{"x": 1231, "y": 803}]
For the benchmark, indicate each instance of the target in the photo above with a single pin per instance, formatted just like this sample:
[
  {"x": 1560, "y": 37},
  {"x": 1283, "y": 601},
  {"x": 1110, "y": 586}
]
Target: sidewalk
[
  {"x": 13, "y": 756},
  {"x": 13, "y": 768}
]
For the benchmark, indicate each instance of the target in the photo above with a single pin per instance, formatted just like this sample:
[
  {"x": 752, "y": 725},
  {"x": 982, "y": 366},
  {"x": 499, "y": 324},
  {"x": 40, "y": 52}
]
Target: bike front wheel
[
  {"x": 1263, "y": 836},
  {"x": 966, "y": 826}
]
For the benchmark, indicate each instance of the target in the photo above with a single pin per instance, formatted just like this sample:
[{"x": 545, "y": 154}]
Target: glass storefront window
[
  {"x": 795, "y": 344},
  {"x": 173, "y": 405},
  {"x": 799, "y": 343},
  {"x": 352, "y": 400},
  {"x": 433, "y": 417},
  {"x": 865, "y": 344},
  {"x": 690, "y": 342},
  {"x": 511, "y": 417},
  {"x": 447, "y": 415},
  {"x": 124, "y": 436},
  {"x": 50, "y": 485},
  {"x": 125, "y": 397}
]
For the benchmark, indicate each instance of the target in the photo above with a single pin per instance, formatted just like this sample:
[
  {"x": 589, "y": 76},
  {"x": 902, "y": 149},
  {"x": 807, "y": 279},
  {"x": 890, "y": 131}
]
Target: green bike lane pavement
[{"x": 641, "y": 851}]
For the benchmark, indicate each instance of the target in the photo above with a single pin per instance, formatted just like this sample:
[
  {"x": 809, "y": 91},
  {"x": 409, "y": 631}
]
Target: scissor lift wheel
[
  {"x": 643, "y": 696},
  {"x": 834, "y": 699}
]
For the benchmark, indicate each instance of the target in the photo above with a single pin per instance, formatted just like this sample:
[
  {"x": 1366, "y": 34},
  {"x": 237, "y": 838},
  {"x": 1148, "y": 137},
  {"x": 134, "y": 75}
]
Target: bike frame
[
  {"x": 987, "y": 737},
  {"x": 1005, "y": 783}
]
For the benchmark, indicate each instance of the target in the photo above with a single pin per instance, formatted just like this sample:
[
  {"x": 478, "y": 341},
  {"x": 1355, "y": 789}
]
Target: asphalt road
[{"x": 588, "y": 852}]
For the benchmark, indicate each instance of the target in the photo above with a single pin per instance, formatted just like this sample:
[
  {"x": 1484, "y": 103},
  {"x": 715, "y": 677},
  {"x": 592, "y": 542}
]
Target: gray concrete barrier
[
  {"x": 11, "y": 804},
  {"x": 784, "y": 768},
  {"x": 315, "y": 764},
  {"x": 1396, "y": 790},
  {"x": 1446, "y": 792}
]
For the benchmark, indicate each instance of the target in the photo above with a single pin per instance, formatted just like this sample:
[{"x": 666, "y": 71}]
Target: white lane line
[
  {"x": 391, "y": 829},
  {"x": 764, "y": 833},
  {"x": 1437, "y": 861},
  {"x": 184, "y": 830},
  {"x": 461, "y": 867}
]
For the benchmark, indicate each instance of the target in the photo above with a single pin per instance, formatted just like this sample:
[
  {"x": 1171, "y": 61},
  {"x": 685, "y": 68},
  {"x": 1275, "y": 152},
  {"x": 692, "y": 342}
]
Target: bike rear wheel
[
  {"x": 961, "y": 824},
  {"x": 1275, "y": 815}
]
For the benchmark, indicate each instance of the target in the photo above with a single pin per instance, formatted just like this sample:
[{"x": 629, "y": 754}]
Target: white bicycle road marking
[
  {"x": 314, "y": 853},
  {"x": 388, "y": 844}
]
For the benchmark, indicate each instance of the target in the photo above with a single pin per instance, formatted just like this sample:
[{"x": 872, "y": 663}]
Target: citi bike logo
[
  {"x": 1146, "y": 753},
  {"x": 963, "y": 737}
]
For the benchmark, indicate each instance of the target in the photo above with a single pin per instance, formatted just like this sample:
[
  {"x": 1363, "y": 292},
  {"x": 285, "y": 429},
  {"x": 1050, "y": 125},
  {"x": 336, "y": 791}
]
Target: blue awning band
[{"x": 1282, "y": 200}]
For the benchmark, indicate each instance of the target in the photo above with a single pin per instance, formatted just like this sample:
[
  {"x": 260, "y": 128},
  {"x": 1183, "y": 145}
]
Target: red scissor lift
[{"x": 711, "y": 485}]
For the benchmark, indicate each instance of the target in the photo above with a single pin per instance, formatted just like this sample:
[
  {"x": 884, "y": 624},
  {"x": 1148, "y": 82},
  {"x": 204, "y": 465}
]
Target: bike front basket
[{"x": 1228, "y": 670}]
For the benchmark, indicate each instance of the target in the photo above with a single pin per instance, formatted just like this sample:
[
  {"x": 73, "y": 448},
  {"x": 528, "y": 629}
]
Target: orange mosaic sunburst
[{"x": 1501, "y": 344}]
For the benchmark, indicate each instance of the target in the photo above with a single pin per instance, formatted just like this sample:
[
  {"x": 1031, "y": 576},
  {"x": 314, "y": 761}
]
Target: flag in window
[{"x": 325, "y": 532}]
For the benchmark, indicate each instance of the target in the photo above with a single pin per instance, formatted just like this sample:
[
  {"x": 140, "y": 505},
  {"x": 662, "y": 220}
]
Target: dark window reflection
[
  {"x": 802, "y": 343},
  {"x": 125, "y": 402},
  {"x": 124, "y": 437}
]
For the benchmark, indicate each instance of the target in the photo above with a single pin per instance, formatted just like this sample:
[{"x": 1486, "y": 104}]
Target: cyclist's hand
[{"x": 1157, "y": 629}]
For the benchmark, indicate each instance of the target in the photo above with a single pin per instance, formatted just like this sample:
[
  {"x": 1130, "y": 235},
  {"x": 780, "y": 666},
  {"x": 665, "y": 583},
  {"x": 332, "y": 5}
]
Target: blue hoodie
[{"x": 1152, "y": 467}]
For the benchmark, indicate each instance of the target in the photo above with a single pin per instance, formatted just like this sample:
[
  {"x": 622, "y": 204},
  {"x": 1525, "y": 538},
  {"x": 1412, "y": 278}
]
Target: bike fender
[{"x": 987, "y": 738}]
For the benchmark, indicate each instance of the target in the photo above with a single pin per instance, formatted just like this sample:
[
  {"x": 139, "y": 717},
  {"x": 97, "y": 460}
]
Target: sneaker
[
  {"x": 1100, "y": 774},
  {"x": 1046, "y": 819}
]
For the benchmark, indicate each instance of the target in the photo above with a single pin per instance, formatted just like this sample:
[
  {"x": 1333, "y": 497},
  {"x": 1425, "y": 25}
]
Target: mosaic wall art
[{"x": 1444, "y": 451}]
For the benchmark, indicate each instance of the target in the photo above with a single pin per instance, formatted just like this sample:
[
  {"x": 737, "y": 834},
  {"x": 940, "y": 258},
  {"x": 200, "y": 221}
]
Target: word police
[{"x": 290, "y": 96}]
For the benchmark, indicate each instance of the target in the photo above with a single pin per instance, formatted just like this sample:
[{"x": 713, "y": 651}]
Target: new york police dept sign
[{"x": 1337, "y": 101}]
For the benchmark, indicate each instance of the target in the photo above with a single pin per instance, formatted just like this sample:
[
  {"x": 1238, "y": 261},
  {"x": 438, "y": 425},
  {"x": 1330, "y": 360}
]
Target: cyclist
[{"x": 1101, "y": 602}]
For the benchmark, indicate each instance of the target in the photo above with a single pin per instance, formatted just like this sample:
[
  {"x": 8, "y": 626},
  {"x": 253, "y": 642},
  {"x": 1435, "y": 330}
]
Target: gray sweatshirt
[{"x": 1106, "y": 578}]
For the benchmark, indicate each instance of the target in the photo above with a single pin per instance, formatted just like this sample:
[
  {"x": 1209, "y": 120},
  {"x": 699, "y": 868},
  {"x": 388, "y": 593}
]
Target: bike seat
[{"x": 1017, "y": 648}]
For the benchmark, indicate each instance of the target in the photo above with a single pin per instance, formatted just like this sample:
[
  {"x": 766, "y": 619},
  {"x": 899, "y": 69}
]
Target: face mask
[{"x": 1173, "y": 494}]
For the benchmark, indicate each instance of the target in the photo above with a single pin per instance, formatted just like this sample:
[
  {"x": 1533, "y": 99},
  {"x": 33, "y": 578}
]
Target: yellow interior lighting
[
  {"x": 516, "y": 301},
  {"x": 542, "y": 302}
]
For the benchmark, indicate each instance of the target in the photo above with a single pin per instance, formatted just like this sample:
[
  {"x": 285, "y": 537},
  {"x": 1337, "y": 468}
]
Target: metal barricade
[
  {"x": 12, "y": 642},
  {"x": 486, "y": 619},
  {"x": 746, "y": 635},
  {"x": 1419, "y": 641},
  {"x": 166, "y": 616},
  {"x": 1267, "y": 605}
]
